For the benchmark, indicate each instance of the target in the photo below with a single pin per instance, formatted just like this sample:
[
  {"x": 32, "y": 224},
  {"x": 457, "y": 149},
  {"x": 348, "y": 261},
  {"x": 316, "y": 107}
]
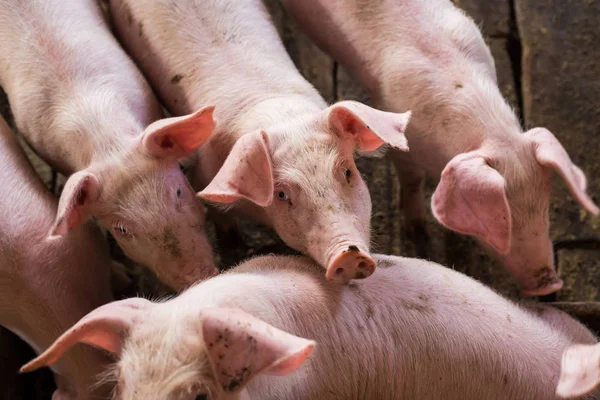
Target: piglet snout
[
  {"x": 351, "y": 263},
  {"x": 545, "y": 282}
]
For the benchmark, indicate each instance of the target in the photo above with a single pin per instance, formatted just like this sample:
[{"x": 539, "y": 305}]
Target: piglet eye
[
  {"x": 282, "y": 196},
  {"x": 121, "y": 229},
  {"x": 179, "y": 193},
  {"x": 348, "y": 173},
  {"x": 202, "y": 397}
]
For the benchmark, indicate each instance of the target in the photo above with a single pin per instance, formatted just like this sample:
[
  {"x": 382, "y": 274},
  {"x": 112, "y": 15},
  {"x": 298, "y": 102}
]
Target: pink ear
[
  {"x": 178, "y": 137},
  {"x": 246, "y": 173},
  {"x": 78, "y": 196},
  {"x": 105, "y": 327},
  {"x": 370, "y": 128},
  {"x": 470, "y": 199},
  {"x": 550, "y": 153},
  {"x": 241, "y": 346},
  {"x": 580, "y": 371}
]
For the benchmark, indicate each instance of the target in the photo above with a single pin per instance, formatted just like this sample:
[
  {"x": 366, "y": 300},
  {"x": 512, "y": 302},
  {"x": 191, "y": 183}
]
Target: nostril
[
  {"x": 339, "y": 271},
  {"x": 362, "y": 265}
]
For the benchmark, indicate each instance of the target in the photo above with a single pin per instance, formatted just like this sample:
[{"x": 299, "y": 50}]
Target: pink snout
[
  {"x": 351, "y": 263},
  {"x": 539, "y": 282},
  {"x": 545, "y": 289}
]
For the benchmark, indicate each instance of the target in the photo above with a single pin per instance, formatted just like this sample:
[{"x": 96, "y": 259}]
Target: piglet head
[
  {"x": 302, "y": 174},
  {"x": 502, "y": 199},
  {"x": 213, "y": 354},
  {"x": 471, "y": 198},
  {"x": 580, "y": 371},
  {"x": 146, "y": 202}
]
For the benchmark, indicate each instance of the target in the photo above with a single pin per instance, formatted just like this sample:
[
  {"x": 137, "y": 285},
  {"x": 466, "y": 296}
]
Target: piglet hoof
[
  {"x": 545, "y": 289},
  {"x": 350, "y": 264}
]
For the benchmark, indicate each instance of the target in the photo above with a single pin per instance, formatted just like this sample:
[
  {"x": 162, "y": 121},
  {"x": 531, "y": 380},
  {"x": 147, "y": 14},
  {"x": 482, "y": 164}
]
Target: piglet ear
[
  {"x": 580, "y": 371},
  {"x": 106, "y": 327},
  {"x": 471, "y": 199},
  {"x": 178, "y": 137},
  {"x": 241, "y": 346},
  {"x": 78, "y": 197},
  {"x": 368, "y": 127},
  {"x": 246, "y": 173},
  {"x": 550, "y": 153}
]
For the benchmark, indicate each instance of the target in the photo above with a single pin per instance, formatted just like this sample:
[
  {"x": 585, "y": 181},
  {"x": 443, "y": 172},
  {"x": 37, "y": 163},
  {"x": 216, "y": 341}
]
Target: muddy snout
[
  {"x": 543, "y": 281},
  {"x": 350, "y": 263}
]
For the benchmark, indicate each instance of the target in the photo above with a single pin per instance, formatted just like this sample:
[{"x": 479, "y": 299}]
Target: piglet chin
[{"x": 350, "y": 263}]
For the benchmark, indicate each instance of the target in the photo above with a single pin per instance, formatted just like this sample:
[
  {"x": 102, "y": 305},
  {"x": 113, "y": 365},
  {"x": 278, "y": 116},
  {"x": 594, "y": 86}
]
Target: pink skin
[
  {"x": 427, "y": 56},
  {"x": 414, "y": 330},
  {"x": 580, "y": 371},
  {"x": 48, "y": 285},
  {"x": 102, "y": 129},
  {"x": 279, "y": 152}
]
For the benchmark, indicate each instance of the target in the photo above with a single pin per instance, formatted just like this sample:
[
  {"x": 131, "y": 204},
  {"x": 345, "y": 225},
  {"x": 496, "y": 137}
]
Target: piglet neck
[
  {"x": 503, "y": 136},
  {"x": 108, "y": 144},
  {"x": 101, "y": 129},
  {"x": 278, "y": 109}
]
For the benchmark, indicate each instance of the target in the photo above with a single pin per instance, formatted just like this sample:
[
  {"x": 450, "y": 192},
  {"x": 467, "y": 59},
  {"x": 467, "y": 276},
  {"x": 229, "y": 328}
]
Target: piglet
[
  {"x": 85, "y": 108},
  {"x": 413, "y": 330},
  {"x": 580, "y": 371},
  {"x": 48, "y": 285},
  {"x": 280, "y": 155},
  {"x": 494, "y": 180}
]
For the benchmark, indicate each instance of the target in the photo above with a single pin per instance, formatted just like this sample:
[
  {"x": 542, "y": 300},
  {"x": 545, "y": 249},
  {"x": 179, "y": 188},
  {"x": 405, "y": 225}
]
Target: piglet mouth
[{"x": 349, "y": 262}]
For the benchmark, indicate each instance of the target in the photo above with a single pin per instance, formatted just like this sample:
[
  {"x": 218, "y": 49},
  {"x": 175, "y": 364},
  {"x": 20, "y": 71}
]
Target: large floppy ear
[
  {"x": 580, "y": 371},
  {"x": 241, "y": 346},
  {"x": 246, "y": 173},
  {"x": 367, "y": 127},
  {"x": 106, "y": 327},
  {"x": 471, "y": 199},
  {"x": 550, "y": 153},
  {"x": 78, "y": 197},
  {"x": 178, "y": 137}
]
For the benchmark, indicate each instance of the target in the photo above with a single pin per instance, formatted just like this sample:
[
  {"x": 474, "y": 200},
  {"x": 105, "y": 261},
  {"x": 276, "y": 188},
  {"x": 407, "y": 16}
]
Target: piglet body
[
  {"x": 413, "y": 330},
  {"x": 279, "y": 152},
  {"x": 84, "y": 107},
  {"x": 47, "y": 285},
  {"x": 428, "y": 56}
]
